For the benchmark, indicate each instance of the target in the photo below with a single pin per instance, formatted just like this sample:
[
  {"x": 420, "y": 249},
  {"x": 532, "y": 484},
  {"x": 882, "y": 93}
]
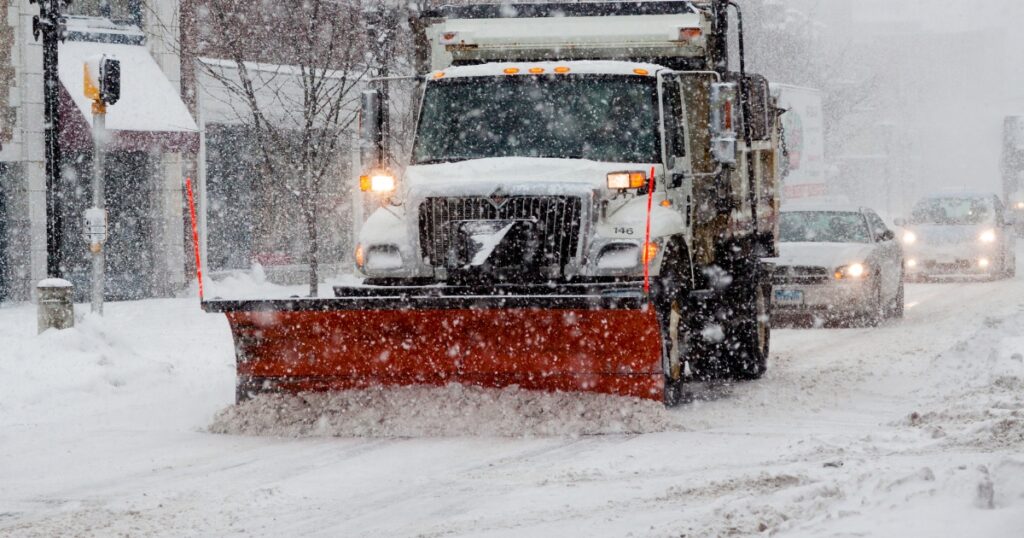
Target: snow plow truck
[{"x": 589, "y": 200}]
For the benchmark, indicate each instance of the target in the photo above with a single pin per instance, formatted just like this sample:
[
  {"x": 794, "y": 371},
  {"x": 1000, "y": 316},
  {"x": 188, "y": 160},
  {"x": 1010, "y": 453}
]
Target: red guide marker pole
[
  {"x": 195, "y": 235},
  {"x": 647, "y": 235}
]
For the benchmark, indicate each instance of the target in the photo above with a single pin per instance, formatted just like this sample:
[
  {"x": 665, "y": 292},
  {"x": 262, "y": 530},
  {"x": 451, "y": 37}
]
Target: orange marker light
[
  {"x": 561, "y": 70},
  {"x": 439, "y": 74},
  {"x": 641, "y": 71},
  {"x": 536, "y": 70},
  {"x": 650, "y": 252},
  {"x": 666, "y": 203},
  {"x": 689, "y": 34},
  {"x": 511, "y": 70}
]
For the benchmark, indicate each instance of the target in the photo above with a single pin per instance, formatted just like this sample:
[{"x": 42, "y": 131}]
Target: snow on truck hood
[
  {"x": 829, "y": 255},
  {"x": 514, "y": 175}
]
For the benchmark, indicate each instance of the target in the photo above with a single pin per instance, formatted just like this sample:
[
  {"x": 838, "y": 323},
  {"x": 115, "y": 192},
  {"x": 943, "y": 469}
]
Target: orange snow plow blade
[{"x": 572, "y": 344}]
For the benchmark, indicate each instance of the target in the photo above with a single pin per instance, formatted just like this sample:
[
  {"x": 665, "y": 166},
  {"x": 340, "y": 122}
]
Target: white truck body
[{"x": 665, "y": 47}]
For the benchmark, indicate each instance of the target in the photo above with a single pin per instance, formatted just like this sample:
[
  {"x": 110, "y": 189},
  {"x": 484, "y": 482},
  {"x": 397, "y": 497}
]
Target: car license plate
[{"x": 789, "y": 297}]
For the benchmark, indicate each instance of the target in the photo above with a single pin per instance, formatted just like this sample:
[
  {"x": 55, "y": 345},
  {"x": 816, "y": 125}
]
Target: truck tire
[
  {"x": 674, "y": 344},
  {"x": 732, "y": 330},
  {"x": 749, "y": 358},
  {"x": 674, "y": 286}
]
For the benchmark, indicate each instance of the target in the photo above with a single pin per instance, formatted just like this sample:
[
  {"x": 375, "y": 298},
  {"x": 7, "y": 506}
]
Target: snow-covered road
[{"x": 912, "y": 429}]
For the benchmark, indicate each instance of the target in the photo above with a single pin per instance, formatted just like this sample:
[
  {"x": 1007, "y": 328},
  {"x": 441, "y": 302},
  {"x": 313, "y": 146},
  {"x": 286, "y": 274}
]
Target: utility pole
[
  {"x": 97, "y": 213},
  {"x": 51, "y": 25}
]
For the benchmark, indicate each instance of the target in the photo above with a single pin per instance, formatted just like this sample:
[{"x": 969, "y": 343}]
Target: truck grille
[
  {"x": 796, "y": 274},
  {"x": 557, "y": 219}
]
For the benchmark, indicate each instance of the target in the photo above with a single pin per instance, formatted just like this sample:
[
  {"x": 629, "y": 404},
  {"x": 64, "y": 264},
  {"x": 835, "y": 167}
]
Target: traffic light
[{"x": 103, "y": 79}]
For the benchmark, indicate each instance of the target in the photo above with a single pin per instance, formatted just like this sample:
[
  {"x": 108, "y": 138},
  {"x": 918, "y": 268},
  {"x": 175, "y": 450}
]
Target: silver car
[
  {"x": 959, "y": 234},
  {"x": 837, "y": 263}
]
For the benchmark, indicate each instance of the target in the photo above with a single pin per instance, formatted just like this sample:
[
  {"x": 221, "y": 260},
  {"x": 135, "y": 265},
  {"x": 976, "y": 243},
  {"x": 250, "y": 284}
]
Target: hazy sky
[{"x": 947, "y": 73}]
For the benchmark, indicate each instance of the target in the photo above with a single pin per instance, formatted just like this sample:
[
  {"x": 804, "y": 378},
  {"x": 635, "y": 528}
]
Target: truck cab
[{"x": 543, "y": 133}]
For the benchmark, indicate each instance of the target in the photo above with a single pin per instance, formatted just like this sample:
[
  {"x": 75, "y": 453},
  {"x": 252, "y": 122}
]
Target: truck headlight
[
  {"x": 1019, "y": 205},
  {"x": 853, "y": 271},
  {"x": 909, "y": 237},
  {"x": 380, "y": 183},
  {"x": 626, "y": 180},
  {"x": 988, "y": 236},
  {"x": 618, "y": 257}
]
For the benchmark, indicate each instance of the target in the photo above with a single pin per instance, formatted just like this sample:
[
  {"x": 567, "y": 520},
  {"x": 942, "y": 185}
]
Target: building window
[{"x": 123, "y": 11}]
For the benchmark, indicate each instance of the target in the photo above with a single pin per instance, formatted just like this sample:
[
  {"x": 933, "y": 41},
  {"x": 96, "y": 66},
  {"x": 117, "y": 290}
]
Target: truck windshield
[
  {"x": 823, "y": 227},
  {"x": 601, "y": 118}
]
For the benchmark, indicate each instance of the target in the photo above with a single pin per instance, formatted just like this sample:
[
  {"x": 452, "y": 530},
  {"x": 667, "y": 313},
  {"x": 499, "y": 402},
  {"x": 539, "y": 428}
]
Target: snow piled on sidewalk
[
  {"x": 121, "y": 368},
  {"x": 450, "y": 411}
]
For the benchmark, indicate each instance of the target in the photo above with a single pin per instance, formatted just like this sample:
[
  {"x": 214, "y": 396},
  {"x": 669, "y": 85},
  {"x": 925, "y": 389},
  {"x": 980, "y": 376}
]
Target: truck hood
[
  {"x": 513, "y": 175},
  {"x": 828, "y": 255}
]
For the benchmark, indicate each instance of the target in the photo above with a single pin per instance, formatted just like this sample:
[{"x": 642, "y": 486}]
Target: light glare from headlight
[
  {"x": 988, "y": 236},
  {"x": 380, "y": 183},
  {"x": 909, "y": 237},
  {"x": 852, "y": 271}
]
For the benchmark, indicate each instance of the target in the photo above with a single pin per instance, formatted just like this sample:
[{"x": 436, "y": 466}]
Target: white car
[
  {"x": 837, "y": 263},
  {"x": 959, "y": 234}
]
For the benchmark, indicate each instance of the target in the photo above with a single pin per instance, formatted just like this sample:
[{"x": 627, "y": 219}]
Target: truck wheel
[
  {"x": 731, "y": 328},
  {"x": 750, "y": 360},
  {"x": 675, "y": 343},
  {"x": 673, "y": 290}
]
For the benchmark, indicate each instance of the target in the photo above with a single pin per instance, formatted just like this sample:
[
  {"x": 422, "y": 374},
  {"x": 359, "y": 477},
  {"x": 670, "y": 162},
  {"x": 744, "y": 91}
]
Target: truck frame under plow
[{"x": 370, "y": 337}]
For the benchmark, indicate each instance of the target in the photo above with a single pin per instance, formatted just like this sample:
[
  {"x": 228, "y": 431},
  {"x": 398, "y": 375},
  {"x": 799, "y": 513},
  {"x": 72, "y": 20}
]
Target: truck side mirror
[
  {"x": 724, "y": 112},
  {"x": 371, "y": 140}
]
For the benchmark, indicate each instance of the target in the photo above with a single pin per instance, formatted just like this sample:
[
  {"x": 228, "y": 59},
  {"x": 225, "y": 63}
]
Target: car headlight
[
  {"x": 1019, "y": 205},
  {"x": 909, "y": 237},
  {"x": 380, "y": 183},
  {"x": 853, "y": 271},
  {"x": 988, "y": 236}
]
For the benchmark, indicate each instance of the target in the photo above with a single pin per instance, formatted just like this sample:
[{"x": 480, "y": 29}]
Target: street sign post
[{"x": 102, "y": 84}]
